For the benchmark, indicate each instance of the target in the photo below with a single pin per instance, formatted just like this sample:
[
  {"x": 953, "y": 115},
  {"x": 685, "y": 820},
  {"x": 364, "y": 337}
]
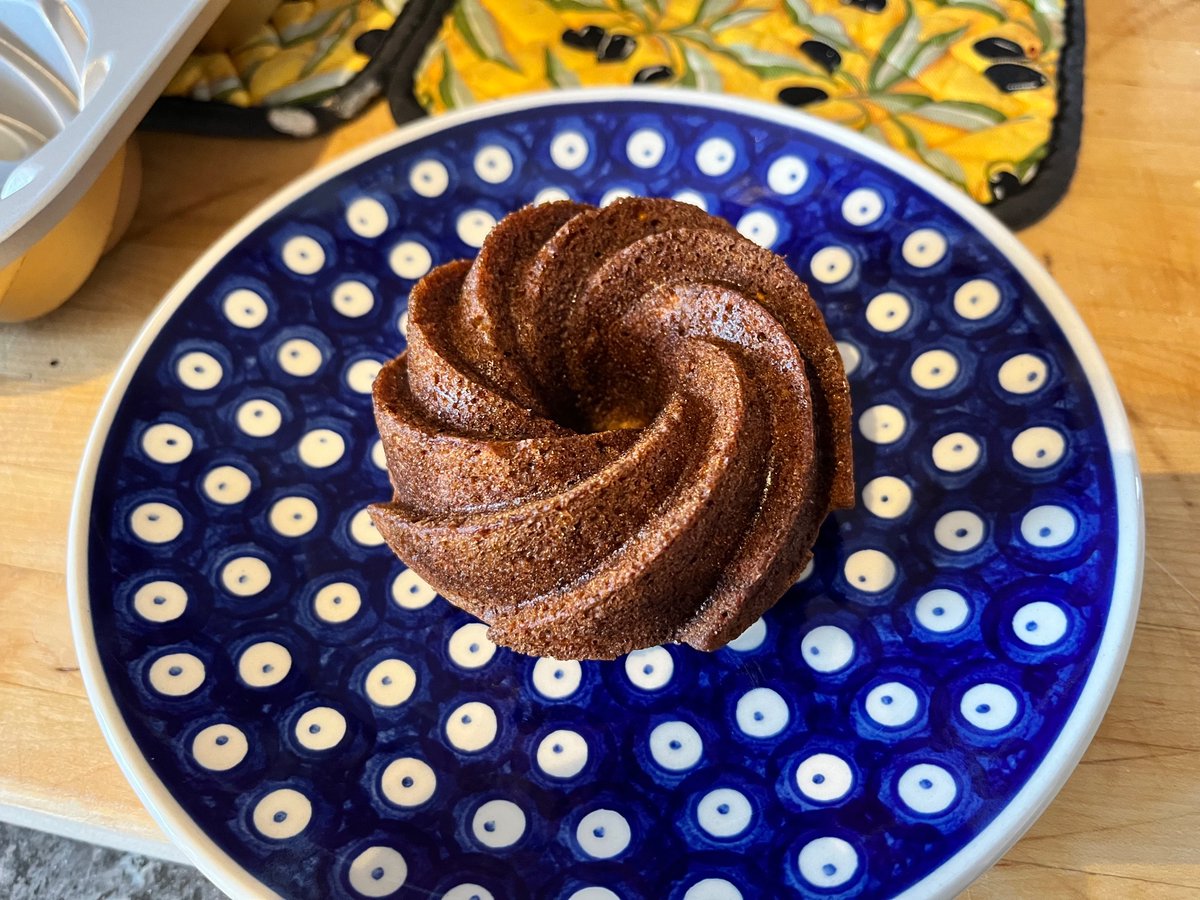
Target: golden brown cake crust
[{"x": 616, "y": 428}]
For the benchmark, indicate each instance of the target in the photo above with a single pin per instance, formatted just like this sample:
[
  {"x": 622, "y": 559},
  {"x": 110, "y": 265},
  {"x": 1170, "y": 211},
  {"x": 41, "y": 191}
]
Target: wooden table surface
[{"x": 1124, "y": 244}]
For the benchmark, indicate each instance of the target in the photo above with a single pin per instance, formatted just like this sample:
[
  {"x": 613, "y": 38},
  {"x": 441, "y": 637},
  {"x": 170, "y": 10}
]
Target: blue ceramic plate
[{"x": 306, "y": 718}]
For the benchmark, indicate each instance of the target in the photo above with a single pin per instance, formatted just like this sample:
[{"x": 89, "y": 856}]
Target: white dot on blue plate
[
  {"x": 407, "y": 781},
  {"x": 976, "y": 299},
  {"x": 264, "y": 664},
  {"x": 245, "y": 576},
  {"x": 367, "y": 217},
  {"x": 226, "y": 485},
  {"x": 692, "y": 198},
  {"x": 645, "y": 148},
  {"x": 360, "y": 376},
  {"x": 1023, "y": 374},
  {"x": 390, "y": 683},
  {"x": 293, "y": 516},
  {"x": 887, "y": 497},
  {"x": 320, "y": 728},
  {"x": 569, "y": 150},
  {"x": 282, "y": 814},
  {"x": 762, "y": 713},
  {"x": 258, "y": 418},
  {"x": 337, "y": 602},
  {"x": 378, "y": 455},
  {"x": 471, "y": 727},
  {"x": 353, "y": 299},
  {"x": 160, "y": 601},
  {"x": 603, "y": 834},
  {"x": 1048, "y": 526},
  {"x": 410, "y": 259},
  {"x": 862, "y": 206},
  {"x": 493, "y": 164},
  {"x": 759, "y": 226},
  {"x": 1039, "y": 447},
  {"x": 612, "y": 195},
  {"x": 923, "y": 248},
  {"x": 198, "y": 371},
  {"x": 156, "y": 523},
  {"x": 556, "y": 679},
  {"x": 167, "y": 443},
  {"x": 989, "y": 706},
  {"x": 498, "y": 824},
  {"x": 363, "y": 531},
  {"x": 870, "y": 571},
  {"x": 650, "y": 669},
  {"x": 724, "y": 813},
  {"x": 787, "y": 174},
  {"x": 176, "y": 674},
  {"x": 244, "y": 308},
  {"x": 1040, "y": 623},
  {"x": 824, "y": 778},
  {"x": 750, "y": 639},
  {"x": 882, "y": 424},
  {"x": 851, "y": 356},
  {"x": 473, "y": 226},
  {"x": 429, "y": 178},
  {"x": 827, "y": 648},
  {"x": 299, "y": 357},
  {"x": 595, "y": 893},
  {"x": 942, "y": 611},
  {"x": 470, "y": 647},
  {"x": 377, "y": 872},
  {"x": 888, "y": 312},
  {"x": 303, "y": 255},
  {"x": 411, "y": 591},
  {"x": 959, "y": 531},
  {"x": 715, "y": 156},
  {"x": 934, "y": 369},
  {"x": 713, "y": 889},
  {"x": 956, "y": 452},
  {"x": 927, "y": 789},
  {"x": 551, "y": 195},
  {"x": 831, "y": 265},
  {"x": 892, "y": 705},
  {"x": 468, "y": 891},
  {"x": 321, "y": 448},
  {"x": 827, "y": 862},
  {"x": 676, "y": 746},
  {"x": 219, "y": 747},
  {"x": 562, "y": 753}
]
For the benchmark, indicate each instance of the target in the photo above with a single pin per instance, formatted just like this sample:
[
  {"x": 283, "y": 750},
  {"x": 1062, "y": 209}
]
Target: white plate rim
[{"x": 982, "y": 851}]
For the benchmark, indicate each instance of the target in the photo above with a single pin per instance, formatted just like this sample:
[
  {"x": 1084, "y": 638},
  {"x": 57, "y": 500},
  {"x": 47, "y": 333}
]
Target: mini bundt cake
[{"x": 615, "y": 428}]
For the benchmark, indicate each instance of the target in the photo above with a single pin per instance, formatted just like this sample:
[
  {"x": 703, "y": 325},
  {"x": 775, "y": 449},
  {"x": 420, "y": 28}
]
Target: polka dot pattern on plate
[
  {"x": 888, "y": 312},
  {"x": 956, "y": 452},
  {"x": 167, "y": 443},
  {"x": 244, "y": 308},
  {"x": 1048, "y": 526},
  {"x": 603, "y": 834},
  {"x": 562, "y": 754},
  {"x": 362, "y": 648},
  {"x": 304, "y": 255},
  {"x": 199, "y": 371},
  {"x": 377, "y": 872},
  {"x": 824, "y": 778},
  {"x": 282, "y": 814},
  {"x": 942, "y": 610},
  {"x": 226, "y": 485},
  {"x": 220, "y": 747},
  {"x": 367, "y": 217}
]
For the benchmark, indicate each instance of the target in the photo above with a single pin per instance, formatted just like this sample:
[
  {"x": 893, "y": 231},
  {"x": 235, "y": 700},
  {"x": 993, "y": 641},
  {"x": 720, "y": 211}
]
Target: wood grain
[{"x": 1125, "y": 244}]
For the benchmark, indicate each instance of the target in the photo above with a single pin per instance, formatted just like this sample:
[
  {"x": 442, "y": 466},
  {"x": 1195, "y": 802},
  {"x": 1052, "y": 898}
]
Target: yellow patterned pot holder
[{"x": 967, "y": 87}]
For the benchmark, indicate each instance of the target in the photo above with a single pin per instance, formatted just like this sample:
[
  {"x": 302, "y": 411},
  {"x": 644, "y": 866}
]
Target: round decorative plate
[{"x": 305, "y": 717}]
